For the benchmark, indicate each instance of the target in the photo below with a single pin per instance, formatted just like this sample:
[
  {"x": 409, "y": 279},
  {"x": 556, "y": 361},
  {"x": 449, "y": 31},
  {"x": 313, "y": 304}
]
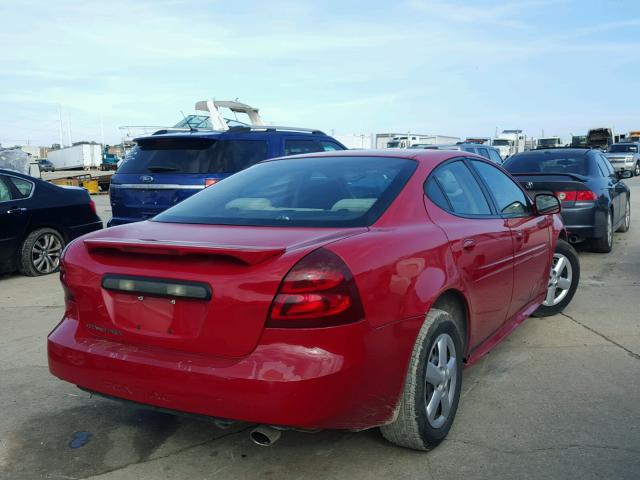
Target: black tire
[
  {"x": 412, "y": 428},
  {"x": 605, "y": 243},
  {"x": 28, "y": 253},
  {"x": 636, "y": 170},
  {"x": 626, "y": 224},
  {"x": 565, "y": 249}
]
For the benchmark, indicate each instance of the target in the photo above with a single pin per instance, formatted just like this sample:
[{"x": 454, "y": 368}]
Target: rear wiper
[{"x": 159, "y": 168}]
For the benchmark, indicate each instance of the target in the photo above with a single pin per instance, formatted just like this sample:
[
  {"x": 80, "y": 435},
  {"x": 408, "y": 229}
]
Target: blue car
[{"x": 167, "y": 167}]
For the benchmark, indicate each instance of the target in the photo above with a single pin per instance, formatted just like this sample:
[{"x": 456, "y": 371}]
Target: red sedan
[{"x": 343, "y": 290}]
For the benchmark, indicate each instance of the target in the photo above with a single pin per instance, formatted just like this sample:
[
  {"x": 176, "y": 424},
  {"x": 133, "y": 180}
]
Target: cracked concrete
[{"x": 559, "y": 398}]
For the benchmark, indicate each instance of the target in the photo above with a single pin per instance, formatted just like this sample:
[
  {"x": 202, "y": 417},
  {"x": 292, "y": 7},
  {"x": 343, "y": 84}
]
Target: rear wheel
[
  {"x": 432, "y": 387},
  {"x": 563, "y": 280},
  {"x": 40, "y": 252},
  {"x": 636, "y": 170},
  {"x": 605, "y": 244},
  {"x": 627, "y": 218}
]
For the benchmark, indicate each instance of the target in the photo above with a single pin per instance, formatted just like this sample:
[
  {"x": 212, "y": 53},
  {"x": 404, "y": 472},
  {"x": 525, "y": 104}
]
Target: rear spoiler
[
  {"x": 575, "y": 176},
  {"x": 247, "y": 255}
]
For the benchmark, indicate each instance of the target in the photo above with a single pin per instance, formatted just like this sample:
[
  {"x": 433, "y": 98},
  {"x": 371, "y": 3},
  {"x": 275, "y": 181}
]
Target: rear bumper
[
  {"x": 584, "y": 222},
  {"x": 347, "y": 377}
]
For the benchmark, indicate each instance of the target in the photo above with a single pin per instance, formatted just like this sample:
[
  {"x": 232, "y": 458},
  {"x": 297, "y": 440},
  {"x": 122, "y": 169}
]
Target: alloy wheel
[
  {"x": 636, "y": 171},
  {"x": 627, "y": 216},
  {"x": 559, "y": 280},
  {"x": 441, "y": 378},
  {"x": 45, "y": 254}
]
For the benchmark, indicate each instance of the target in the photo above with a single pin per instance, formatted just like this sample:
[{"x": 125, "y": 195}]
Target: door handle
[
  {"x": 16, "y": 210},
  {"x": 468, "y": 244},
  {"x": 518, "y": 234}
]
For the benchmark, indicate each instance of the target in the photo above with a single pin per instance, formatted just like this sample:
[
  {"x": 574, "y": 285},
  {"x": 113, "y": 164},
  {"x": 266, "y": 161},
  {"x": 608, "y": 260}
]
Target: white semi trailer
[
  {"x": 77, "y": 157},
  {"x": 510, "y": 142}
]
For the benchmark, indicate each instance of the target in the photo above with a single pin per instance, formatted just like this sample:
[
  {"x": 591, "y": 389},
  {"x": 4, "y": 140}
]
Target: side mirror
[
  {"x": 625, "y": 174},
  {"x": 546, "y": 204}
]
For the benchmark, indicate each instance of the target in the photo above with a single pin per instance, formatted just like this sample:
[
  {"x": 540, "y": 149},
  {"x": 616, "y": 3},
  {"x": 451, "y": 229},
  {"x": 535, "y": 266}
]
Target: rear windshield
[
  {"x": 547, "y": 162},
  {"x": 623, "y": 149},
  {"x": 308, "y": 192},
  {"x": 193, "y": 155}
]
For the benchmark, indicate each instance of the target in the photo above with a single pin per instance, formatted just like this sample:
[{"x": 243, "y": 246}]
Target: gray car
[{"x": 625, "y": 157}]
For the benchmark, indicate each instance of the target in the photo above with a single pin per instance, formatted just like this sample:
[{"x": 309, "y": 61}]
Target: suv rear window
[
  {"x": 193, "y": 155},
  {"x": 310, "y": 192}
]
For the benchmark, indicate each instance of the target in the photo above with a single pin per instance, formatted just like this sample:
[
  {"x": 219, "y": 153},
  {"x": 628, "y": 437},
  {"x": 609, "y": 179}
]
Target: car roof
[
  {"x": 549, "y": 151},
  {"x": 15, "y": 173},
  {"x": 423, "y": 156},
  {"x": 234, "y": 131}
]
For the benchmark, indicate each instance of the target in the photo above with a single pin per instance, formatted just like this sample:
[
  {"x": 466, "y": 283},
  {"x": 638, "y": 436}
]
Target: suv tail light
[
  {"x": 92, "y": 206},
  {"x": 319, "y": 291},
  {"x": 577, "y": 196}
]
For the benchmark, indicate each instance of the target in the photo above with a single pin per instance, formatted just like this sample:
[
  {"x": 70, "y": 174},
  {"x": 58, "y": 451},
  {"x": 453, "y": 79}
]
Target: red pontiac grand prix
[{"x": 340, "y": 290}]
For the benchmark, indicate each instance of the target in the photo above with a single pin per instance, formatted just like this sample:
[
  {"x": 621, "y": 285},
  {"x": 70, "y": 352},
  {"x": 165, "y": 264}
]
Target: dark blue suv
[{"x": 167, "y": 167}]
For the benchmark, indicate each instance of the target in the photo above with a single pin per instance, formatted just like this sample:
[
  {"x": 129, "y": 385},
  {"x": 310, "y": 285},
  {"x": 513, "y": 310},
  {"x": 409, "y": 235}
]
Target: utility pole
[
  {"x": 60, "y": 113},
  {"x": 69, "y": 129}
]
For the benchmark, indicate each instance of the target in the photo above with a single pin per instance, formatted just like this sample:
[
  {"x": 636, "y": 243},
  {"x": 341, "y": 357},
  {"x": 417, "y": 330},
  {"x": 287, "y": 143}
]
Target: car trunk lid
[
  {"x": 242, "y": 268},
  {"x": 554, "y": 183}
]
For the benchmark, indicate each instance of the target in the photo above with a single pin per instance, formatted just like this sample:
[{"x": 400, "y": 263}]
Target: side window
[
  {"x": 5, "y": 194},
  {"x": 510, "y": 198},
  {"x": 483, "y": 152},
  {"x": 602, "y": 168},
  {"x": 607, "y": 164},
  {"x": 461, "y": 189},
  {"x": 329, "y": 146},
  {"x": 296, "y": 147},
  {"x": 471, "y": 149},
  {"x": 24, "y": 187},
  {"x": 240, "y": 154},
  {"x": 434, "y": 192},
  {"x": 495, "y": 156}
]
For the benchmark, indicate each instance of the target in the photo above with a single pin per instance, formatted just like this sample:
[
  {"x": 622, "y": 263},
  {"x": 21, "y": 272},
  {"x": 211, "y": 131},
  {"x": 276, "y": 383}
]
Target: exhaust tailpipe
[{"x": 265, "y": 436}]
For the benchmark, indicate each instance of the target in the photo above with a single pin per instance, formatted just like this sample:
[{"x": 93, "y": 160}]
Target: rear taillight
[
  {"x": 210, "y": 181},
  {"x": 576, "y": 196},
  {"x": 319, "y": 291},
  {"x": 92, "y": 206}
]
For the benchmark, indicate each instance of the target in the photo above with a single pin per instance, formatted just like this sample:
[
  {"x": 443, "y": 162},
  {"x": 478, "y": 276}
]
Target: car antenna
[{"x": 191, "y": 129}]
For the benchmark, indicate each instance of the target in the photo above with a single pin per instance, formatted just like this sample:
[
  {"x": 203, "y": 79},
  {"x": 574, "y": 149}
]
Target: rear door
[
  {"x": 614, "y": 187},
  {"x": 480, "y": 241},
  {"x": 14, "y": 219},
  {"x": 531, "y": 235}
]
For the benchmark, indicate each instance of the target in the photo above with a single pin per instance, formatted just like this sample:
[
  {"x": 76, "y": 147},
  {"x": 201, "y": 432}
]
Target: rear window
[
  {"x": 623, "y": 149},
  {"x": 193, "y": 155},
  {"x": 311, "y": 192},
  {"x": 548, "y": 162}
]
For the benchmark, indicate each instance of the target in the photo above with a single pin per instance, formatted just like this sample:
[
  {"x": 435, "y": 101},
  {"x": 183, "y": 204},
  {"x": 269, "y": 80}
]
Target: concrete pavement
[{"x": 560, "y": 398}]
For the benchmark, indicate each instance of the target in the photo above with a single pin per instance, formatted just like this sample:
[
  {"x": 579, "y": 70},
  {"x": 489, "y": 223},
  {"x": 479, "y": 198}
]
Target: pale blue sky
[{"x": 448, "y": 67}]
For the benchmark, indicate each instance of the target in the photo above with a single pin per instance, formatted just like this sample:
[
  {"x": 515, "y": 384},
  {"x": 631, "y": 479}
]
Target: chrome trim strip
[{"x": 156, "y": 186}]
